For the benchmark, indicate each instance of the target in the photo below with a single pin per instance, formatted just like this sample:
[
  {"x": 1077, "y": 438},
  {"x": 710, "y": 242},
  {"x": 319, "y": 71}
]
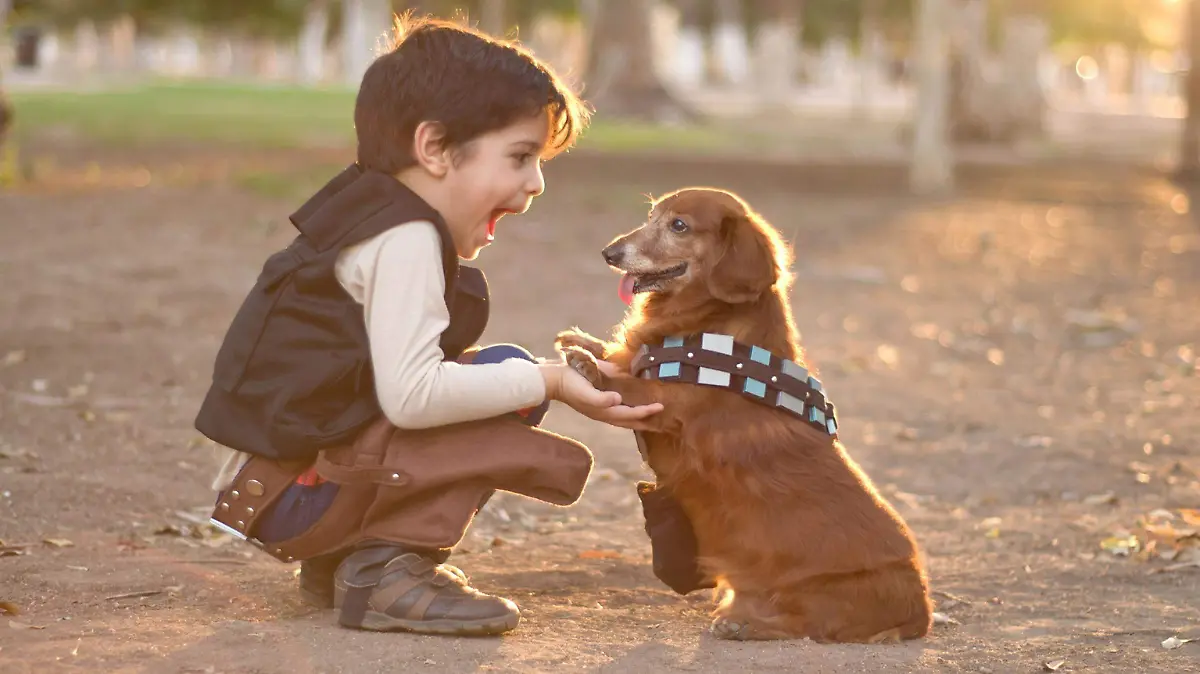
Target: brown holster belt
[{"x": 259, "y": 484}]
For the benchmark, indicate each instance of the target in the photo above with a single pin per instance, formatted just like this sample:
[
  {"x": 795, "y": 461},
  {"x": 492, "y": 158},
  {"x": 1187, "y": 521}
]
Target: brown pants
[{"x": 418, "y": 488}]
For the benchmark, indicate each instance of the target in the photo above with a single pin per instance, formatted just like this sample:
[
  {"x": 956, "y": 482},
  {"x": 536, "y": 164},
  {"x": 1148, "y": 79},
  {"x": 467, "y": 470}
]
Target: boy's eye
[
  {"x": 679, "y": 226},
  {"x": 523, "y": 158}
]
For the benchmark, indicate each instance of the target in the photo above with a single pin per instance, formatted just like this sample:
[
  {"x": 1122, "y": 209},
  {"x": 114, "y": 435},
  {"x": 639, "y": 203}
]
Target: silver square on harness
[
  {"x": 790, "y": 402},
  {"x": 712, "y": 377},
  {"x": 719, "y": 343}
]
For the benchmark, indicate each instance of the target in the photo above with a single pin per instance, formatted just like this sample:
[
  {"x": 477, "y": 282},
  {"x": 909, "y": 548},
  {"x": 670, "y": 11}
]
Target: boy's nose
[{"x": 537, "y": 184}]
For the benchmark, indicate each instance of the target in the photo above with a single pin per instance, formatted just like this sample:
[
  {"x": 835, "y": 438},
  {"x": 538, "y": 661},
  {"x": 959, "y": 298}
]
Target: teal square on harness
[
  {"x": 816, "y": 415},
  {"x": 760, "y": 355},
  {"x": 672, "y": 341},
  {"x": 668, "y": 370},
  {"x": 831, "y": 426},
  {"x": 755, "y": 387}
]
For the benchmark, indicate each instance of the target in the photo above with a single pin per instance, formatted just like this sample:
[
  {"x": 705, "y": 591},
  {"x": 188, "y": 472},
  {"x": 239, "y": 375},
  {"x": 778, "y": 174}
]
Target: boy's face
[{"x": 496, "y": 174}]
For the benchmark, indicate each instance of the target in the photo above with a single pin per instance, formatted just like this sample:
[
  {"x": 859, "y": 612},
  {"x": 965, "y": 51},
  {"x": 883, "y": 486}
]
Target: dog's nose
[{"x": 613, "y": 255}]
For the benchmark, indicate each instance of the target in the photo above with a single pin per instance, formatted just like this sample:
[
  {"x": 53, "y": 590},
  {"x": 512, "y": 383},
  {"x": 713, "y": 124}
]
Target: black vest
[{"x": 293, "y": 375}]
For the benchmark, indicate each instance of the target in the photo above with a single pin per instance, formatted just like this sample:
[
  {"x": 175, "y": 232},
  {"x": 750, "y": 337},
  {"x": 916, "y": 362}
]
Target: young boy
[{"x": 364, "y": 431}]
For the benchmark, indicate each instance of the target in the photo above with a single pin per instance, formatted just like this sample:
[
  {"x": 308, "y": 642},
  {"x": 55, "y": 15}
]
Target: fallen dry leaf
[
  {"x": 1167, "y": 531},
  {"x": 171, "y": 530},
  {"x": 14, "y": 357},
  {"x": 1054, "y": 665},
  {"x": 1160, "y": 514},
  {"x": 17, "y": 625},
  {"x": 1107, "y": 498},
  {"x": 943, "y": 619},
  {"x": 57, "y": 542},
  {"x": 1191, "y": 516},
  {"x": 18, "y": 453},
  {"x": 1140, "y": 467},
  {"x": 1171, "y": 643},
  {"x": 599, "y": 554},
  {"x": 12, "y": 550},
  {"x": 1120, "y": 545},
  {"x": 9, "y": 608},
  {"x": 1148, "y": 551},
  {"x": 136, "y": 595}
]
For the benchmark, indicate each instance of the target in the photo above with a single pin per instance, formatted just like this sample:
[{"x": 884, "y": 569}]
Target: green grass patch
[
  {"x": 266, "y": 117},
  {"x": 287, "y": 184},
  {"x": 252, "y": 116}
]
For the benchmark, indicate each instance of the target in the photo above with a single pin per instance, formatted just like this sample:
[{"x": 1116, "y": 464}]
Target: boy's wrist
[{"x": 552, "y": 376}]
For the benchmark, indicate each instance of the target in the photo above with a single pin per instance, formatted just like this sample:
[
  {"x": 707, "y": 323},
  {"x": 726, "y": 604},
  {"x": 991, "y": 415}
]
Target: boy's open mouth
[{"x": 491, "y": 228}]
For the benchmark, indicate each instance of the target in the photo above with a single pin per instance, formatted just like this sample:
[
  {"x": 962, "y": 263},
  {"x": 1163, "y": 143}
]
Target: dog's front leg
[
  {"x": 634, "y": 392},
  {"x": 580, "y": 339}
]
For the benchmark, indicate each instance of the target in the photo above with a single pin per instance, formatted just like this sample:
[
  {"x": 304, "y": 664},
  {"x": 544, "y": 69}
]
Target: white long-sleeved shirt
[{"x": 397, "y": 276}]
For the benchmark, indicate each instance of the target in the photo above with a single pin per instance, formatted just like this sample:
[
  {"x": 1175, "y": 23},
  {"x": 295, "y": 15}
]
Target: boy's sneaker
[
  {"x": 316, "y": 579},
  {"x": 388, "y": 589}
]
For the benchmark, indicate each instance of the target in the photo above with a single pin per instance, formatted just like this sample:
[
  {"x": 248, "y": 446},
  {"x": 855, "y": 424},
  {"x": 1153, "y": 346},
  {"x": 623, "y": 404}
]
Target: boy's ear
[{"x": 429, "y": 148}]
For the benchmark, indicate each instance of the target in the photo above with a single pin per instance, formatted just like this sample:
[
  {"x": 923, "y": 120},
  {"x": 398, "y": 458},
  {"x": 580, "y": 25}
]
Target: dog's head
[{"x": 701, "y": 239}]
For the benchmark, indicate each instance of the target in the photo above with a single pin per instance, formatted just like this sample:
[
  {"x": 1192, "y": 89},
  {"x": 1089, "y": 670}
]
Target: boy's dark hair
[{"x": 472, "y": 84}]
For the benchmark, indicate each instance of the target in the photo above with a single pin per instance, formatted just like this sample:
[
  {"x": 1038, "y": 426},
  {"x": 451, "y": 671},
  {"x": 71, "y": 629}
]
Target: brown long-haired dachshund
[{"x": 789, "y": 527}]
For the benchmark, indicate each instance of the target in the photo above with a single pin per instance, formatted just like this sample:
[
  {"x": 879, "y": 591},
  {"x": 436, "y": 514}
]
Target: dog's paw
[
  {"x": 581, "y": 340},
  {"x": 584, "y": 363},
  {"x": 724, "y": 628}
]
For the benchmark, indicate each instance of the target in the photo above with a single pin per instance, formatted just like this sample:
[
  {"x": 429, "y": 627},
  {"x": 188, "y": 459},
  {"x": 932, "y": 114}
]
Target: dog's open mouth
[{"x": 632, "y": 284}]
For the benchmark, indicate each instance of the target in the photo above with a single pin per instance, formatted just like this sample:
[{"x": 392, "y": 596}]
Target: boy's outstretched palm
[{"x": 574, "y": 390}]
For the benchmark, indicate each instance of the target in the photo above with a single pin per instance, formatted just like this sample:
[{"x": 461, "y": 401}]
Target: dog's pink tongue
[{"x": 625, "y": 290}]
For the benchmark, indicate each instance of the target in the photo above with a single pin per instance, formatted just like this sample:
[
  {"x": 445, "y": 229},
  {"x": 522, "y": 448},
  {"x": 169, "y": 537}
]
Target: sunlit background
[
  {"x": 1014, "y": 351},
  {"x": 817, "y": 77}
]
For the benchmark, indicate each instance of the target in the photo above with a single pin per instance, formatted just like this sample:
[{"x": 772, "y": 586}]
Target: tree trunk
[
  {"x": 729, "y": 42},
  {"x": 775, "y": 51},
  {"x": 690, "y": 65},
  {"x": 622, "y": 80},
  {"x": 870, "y": 60},
  {"x": 311, "y": 44},
  {"x": 364, "y": 23},
  {"x": 6, "y": 113},
  {"x": 1189, "y": 151},
  {"x": 974, "y": 114},
  {"x": 1026, "y": 37},
  {"x": 932, "y": 163}
]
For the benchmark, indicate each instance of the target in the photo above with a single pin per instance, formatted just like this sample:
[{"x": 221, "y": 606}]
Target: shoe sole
[
  {"x": 375, "y": 621},
  {"x": 381, "y": 622}
]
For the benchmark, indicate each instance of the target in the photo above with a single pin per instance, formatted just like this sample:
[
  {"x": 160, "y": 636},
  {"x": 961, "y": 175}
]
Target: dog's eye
[{"x": 679, "y": 226}]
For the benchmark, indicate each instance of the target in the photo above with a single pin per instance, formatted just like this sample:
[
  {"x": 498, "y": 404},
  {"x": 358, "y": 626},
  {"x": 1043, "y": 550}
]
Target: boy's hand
[{"x": 567, "y": 385}]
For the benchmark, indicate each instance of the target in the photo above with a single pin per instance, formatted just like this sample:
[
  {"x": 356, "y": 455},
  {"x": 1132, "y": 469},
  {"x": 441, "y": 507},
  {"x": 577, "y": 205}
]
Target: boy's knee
[{"x": 498, "y": 353}]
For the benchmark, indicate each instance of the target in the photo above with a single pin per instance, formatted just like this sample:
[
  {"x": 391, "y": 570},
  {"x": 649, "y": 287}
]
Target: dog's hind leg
[{"x": 751, "y": 617}]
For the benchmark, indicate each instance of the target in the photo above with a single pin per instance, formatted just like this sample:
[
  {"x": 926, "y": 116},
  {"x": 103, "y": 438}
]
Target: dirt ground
[{"x": 1015, "y": 367}]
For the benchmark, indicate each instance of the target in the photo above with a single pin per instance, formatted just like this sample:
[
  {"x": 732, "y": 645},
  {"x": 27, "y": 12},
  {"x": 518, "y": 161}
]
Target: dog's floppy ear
[{"x": 746, "y": 268}]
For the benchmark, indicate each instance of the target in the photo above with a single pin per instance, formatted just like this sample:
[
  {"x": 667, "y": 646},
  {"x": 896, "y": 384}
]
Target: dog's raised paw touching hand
[
  {"x": 579, "y": 339},
  {"x": 585, "y": 364}
]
